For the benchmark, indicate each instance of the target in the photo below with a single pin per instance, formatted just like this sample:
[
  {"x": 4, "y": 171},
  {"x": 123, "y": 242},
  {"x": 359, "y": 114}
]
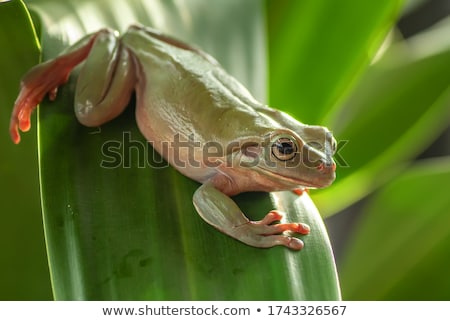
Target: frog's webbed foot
[
  {"x": 220, "y": 211},
  {"x": 268, "y": 233}
]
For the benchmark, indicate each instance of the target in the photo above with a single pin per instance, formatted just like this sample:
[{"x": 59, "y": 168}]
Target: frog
[{"x": 184, "y": 97}]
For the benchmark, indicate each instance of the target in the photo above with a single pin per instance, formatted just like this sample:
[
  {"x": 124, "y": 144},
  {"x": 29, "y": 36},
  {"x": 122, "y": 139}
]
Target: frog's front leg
[
  {"x": 222, "y": 212},
  {"x": 103, "y": 88}
]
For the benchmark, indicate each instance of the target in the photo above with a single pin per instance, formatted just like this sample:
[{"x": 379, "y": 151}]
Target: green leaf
[
  {"x": 24, "y": 272},
  {"x": 400, "y": 106},
  {"x": 131, "y": 232},
  {"x": 318, "y": 49},
  {"x": 400, "y": 248}
]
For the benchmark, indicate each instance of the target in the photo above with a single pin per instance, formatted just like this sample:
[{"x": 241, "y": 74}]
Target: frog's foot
[
  {"x": 300, "y": 191},
  {"x": 41, "y": 80},
  {"x": 265, "y": 233},
  {"x": 222, "y": 212}
]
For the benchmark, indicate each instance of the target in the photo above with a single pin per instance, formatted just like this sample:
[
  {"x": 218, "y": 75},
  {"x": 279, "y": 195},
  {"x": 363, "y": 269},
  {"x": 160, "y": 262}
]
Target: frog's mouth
[
  {"x": 287, "y": 181},
  {"x": 322, "y": 176}
]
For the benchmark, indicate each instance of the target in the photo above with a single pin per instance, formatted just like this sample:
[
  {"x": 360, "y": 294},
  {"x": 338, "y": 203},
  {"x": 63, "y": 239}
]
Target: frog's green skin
[{"x": 183, "y": 95}]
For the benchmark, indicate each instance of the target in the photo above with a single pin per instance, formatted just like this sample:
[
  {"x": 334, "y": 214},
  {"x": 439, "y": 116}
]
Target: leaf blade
[
  {"x": 86, "y": 223},
  {"x": 24, "y": 276}
]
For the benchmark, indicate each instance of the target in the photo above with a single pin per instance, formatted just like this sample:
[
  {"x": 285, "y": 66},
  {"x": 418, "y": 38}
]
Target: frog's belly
[
  {"x": 180, "y": 149},
  {"x": 188, "y": 161}
]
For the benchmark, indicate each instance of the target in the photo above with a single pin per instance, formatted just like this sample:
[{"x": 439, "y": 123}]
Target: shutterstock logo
[
  {"x": 191, "y": 153},
  {"x": 130, "y": 152}
]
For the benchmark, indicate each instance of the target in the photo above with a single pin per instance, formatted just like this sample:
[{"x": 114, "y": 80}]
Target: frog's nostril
[
  {"x": 320, "y": 167},
  {"x": 325, "y": 166}
]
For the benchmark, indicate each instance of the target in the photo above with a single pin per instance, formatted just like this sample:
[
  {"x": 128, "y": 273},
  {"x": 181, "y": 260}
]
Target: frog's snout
[
  {"x": 318, "y": 156},
  {"x": 326, "y": 170}
]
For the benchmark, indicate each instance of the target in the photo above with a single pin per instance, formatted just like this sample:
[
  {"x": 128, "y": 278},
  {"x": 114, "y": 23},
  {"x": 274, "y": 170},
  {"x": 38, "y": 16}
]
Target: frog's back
[{"x": 186, "y": 92}]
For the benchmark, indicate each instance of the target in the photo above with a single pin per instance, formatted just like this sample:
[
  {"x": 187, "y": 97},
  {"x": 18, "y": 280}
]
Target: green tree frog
[{"x": 184, "y": 95}]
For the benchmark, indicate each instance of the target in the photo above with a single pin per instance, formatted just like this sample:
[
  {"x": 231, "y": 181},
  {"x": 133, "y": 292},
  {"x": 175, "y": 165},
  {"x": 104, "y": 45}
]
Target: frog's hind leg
[
  {"x": 42, "y": 79},
  {"x": 101, "y": 96},
  {"x": 46, "y": 77}
]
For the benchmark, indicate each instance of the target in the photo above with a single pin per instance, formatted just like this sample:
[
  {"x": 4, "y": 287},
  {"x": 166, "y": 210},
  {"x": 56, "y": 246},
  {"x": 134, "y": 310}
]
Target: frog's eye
[{"x": 284, "y": 148}]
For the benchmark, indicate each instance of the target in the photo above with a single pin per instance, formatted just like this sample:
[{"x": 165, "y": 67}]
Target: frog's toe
[
  {"x": 288, "y": 241},
  {"x": 268, "y": 227},
  {"x": 300, "y": 191},
  {"x": 20, "y": 118},
  {"x": 300, "y": 228}
]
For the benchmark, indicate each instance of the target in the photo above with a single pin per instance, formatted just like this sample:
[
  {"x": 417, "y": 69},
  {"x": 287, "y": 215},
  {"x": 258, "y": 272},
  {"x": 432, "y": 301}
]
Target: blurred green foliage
[{"x": 404, "y": 239}]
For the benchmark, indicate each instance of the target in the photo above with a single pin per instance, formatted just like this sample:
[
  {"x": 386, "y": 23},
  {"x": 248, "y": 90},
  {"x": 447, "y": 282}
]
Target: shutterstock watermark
[{"x": 273, "y": 151}]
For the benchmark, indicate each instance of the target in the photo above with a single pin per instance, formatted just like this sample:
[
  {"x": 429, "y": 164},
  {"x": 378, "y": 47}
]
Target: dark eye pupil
[{"x": 285, "y": 148}]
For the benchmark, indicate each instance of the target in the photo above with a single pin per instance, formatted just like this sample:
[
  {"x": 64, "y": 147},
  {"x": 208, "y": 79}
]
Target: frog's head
[{"x": 298, "y": 159}]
